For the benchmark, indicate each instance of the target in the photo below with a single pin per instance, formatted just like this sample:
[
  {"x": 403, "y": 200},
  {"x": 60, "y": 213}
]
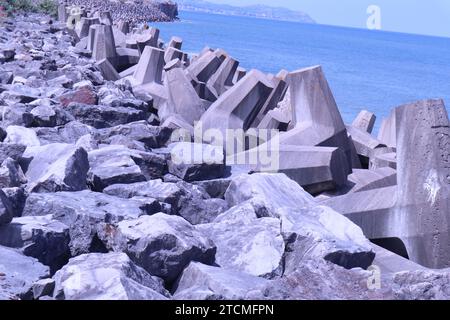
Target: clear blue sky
[{"x": 430, "y": 17}]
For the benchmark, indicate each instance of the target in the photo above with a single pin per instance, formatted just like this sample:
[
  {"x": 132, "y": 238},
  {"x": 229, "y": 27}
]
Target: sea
[{"x": 366, "y": 69}]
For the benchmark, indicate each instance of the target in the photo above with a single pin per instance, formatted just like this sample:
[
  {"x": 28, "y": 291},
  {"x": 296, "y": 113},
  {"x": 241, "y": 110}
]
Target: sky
[{"x": 429, "y": 17}]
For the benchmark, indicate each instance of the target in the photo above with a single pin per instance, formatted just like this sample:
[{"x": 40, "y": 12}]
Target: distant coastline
[{"x": 255, "y": 11}]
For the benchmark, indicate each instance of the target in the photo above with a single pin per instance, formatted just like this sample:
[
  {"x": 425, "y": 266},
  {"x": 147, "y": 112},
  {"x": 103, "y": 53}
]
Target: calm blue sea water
[{"x": 366, "y": 69}]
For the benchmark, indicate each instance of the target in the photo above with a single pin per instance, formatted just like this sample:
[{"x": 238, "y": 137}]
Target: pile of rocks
[
  {"x": 134, "y": 12},
  {"x": 100, "y": 199}
]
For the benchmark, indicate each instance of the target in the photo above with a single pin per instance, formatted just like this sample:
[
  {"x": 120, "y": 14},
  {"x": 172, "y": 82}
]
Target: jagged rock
[
  {"x": 84, "y": 95},
  {"x": 163, "y": 244},
  {"x": 246, "y": 243},
  {"x": 6, "y": 209},
  {"x": 113, "y": 165},
  {"x": 311, "y": 230},
  {"x": 42, "y": 288},
  {"x": 87, "y": 214},
  {"x": 6, "y": 77},
  {"x": 364, "y": 121},
  {"x": 21, "y": 135},
  {"x": 47, "y": 116},
  {"x": 202, "y": 282},
  {"x": 422, "y": 285},
  {"x": 151, "y": 136},
  {"x": 11, "y": 150},
  {"x": 196, "y": 206},
  {"x": 69, "y": 133},
  {"x": 104, "y": 116},
  {"x": 165, "y": 192},
  {"x": 194, "y": 161},
  {"x": 111, "y": 276},
  {"x": 318, "y": 280},
  {"x": 18, "y": 273},
  {"x": 56, "y": 167},
  {"x": 16, "y": 197},
  {"x": 40, "y": 237},
  {"x": 11, "y": 174},
  {"x": 216, "y": 188}
]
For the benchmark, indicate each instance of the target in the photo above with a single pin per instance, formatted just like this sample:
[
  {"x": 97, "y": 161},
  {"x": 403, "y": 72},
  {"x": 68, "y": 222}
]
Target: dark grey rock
[
  {"x": 113, "y": 165},
  {"x": 42, "y": 288},
  {"x": 40, "y": 237},
  {"x": 103, "y": 116},
  {"x": 163, "y": 244},
  {"x": 11, "y": 174},
  {"x": 88, "y": 214}
]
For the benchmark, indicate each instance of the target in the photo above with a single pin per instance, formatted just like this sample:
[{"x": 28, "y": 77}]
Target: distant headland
[{"x": 257, "y": 11}]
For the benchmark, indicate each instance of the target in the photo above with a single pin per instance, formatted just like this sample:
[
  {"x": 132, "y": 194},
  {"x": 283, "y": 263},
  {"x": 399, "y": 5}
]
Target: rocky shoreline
[
  {"x": 100, "y": 198},
  {"x": 134, "y": 12}
]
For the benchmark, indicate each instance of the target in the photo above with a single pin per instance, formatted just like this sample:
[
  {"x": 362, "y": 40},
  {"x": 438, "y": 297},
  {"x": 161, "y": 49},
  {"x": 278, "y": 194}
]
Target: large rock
[
  {"x": 104, "y": 116},
  {"x": 311, "y": 230},
  {"x": 246, "y": 243},
  {"x": 6, "y": 209},
  {"x": 111, "y": 276},
  {"x": 11, "y": 150},
  {"x": 151, "y": 136},
  {"x": 165, "y": 192},
  {"x": 321, "y": 280},
  {"x": 202, "y": 282},
  {"x": 195, "y": 161},
  {"x": 56, "y": 167},
  {"x": 40, "y": 237},
  {"x": 21, "y": 135},
  {"x": 87, "y": 214},
  {"x": 111, "y": 165},
  {"x": 162, "y": 244},
  {"x": 11, "y": 174},
  {"x": 422, "y": 285},
  {"x": 18, "y": 273}
]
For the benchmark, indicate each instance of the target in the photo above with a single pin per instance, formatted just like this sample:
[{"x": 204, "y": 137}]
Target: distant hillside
[{"x": 258, "y": 11}]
